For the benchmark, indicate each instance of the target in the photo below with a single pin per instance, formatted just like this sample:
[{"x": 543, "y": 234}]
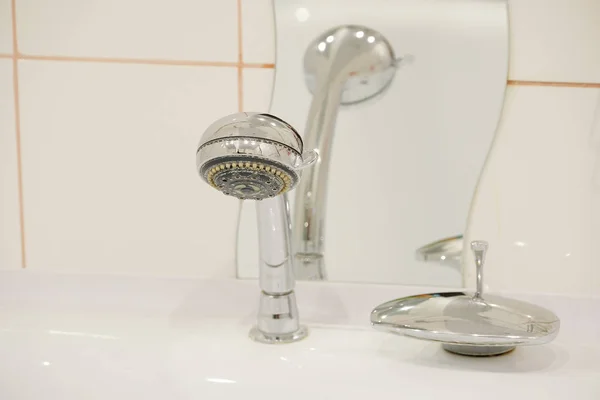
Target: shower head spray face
[
  {"x": 247, "y": 178},
  {"x": 252, "y": 156}
]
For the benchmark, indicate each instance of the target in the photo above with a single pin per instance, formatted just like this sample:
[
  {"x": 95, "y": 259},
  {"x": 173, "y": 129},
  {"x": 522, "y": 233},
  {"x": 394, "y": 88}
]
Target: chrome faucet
[
  {"x": 345, "y": 65},
  {"x": 257, "y": 156}
]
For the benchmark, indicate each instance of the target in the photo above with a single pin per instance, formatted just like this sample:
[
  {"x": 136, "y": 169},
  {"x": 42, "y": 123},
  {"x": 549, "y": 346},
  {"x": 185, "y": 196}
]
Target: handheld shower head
[
  {"x": 252, "y": 156},
  {"x": 258, "y": 156},
  {"x": 357, "y": 59}
]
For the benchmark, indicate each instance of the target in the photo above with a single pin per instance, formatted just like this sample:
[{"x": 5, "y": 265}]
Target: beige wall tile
[
  {"x": 258, "y": 88},
  {"x": 177, "y": 29},
  {"x": 258, "y": 27},
  {"x": 555, "y": 40},
  {"x": 10, "y": 232},
  {"x": 109, "y": 170},
  {"x": 6, "y": 42}
]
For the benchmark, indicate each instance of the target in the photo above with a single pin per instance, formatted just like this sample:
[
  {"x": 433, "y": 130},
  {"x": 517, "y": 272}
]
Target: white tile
[
  {"x": 258, "y": 31},
  {"x": 10, "y": 232},
  {"x": 5, "y": 27},
  {"x": 109, "y": 168},
  {"x": 258, "y": 88},
  {"x": 544, "y": 158},
  {"x": 555, "y": 40},
  {"x": 178, "y": 29}
]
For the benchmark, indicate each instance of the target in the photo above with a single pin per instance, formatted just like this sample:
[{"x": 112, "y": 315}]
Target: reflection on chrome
[
  {"x": 468, "y": 323},
  {"x": 345, "y": 65}
]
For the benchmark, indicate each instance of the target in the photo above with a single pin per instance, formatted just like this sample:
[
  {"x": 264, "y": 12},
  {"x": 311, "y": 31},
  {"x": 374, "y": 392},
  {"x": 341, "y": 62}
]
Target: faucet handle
[{"x": 479, "y": 248}]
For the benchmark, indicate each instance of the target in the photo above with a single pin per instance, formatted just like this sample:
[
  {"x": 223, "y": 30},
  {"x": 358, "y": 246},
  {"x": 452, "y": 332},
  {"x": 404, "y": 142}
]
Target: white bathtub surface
[{"x": 109, "y": 337}]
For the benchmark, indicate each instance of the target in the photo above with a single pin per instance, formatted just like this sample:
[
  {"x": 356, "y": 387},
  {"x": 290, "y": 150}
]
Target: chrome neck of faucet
[
  {"x": 276, "y": 274},
  {"x": 278, "y": 320}
]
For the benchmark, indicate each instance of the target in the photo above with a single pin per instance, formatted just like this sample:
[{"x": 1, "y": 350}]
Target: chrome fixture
[
  {"x": 257, "y": 156},
  {"x": 468, "y": 323},
  {"x": 445, "y": 251},
  {"x": 345, "y": 65}
]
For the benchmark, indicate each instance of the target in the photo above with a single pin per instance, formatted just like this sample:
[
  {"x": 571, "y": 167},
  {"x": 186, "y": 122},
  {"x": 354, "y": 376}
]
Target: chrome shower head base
[
  {"x": 278, "y": 320},
  {"x": 265, "y": 338}
]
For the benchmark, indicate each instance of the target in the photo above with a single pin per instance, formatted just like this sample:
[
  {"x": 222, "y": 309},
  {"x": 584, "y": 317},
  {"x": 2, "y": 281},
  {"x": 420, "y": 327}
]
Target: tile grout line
[
  {"x": 15, "y": 59},
  {"x": 111, "y": 60},
  {"x": 257, "y": 65},
  {"x": 553, "y": 84},
  {"x": 240, "y": 65},
  {"x": 141, "y": 61},
  {"x": 240, "y": 68}
]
